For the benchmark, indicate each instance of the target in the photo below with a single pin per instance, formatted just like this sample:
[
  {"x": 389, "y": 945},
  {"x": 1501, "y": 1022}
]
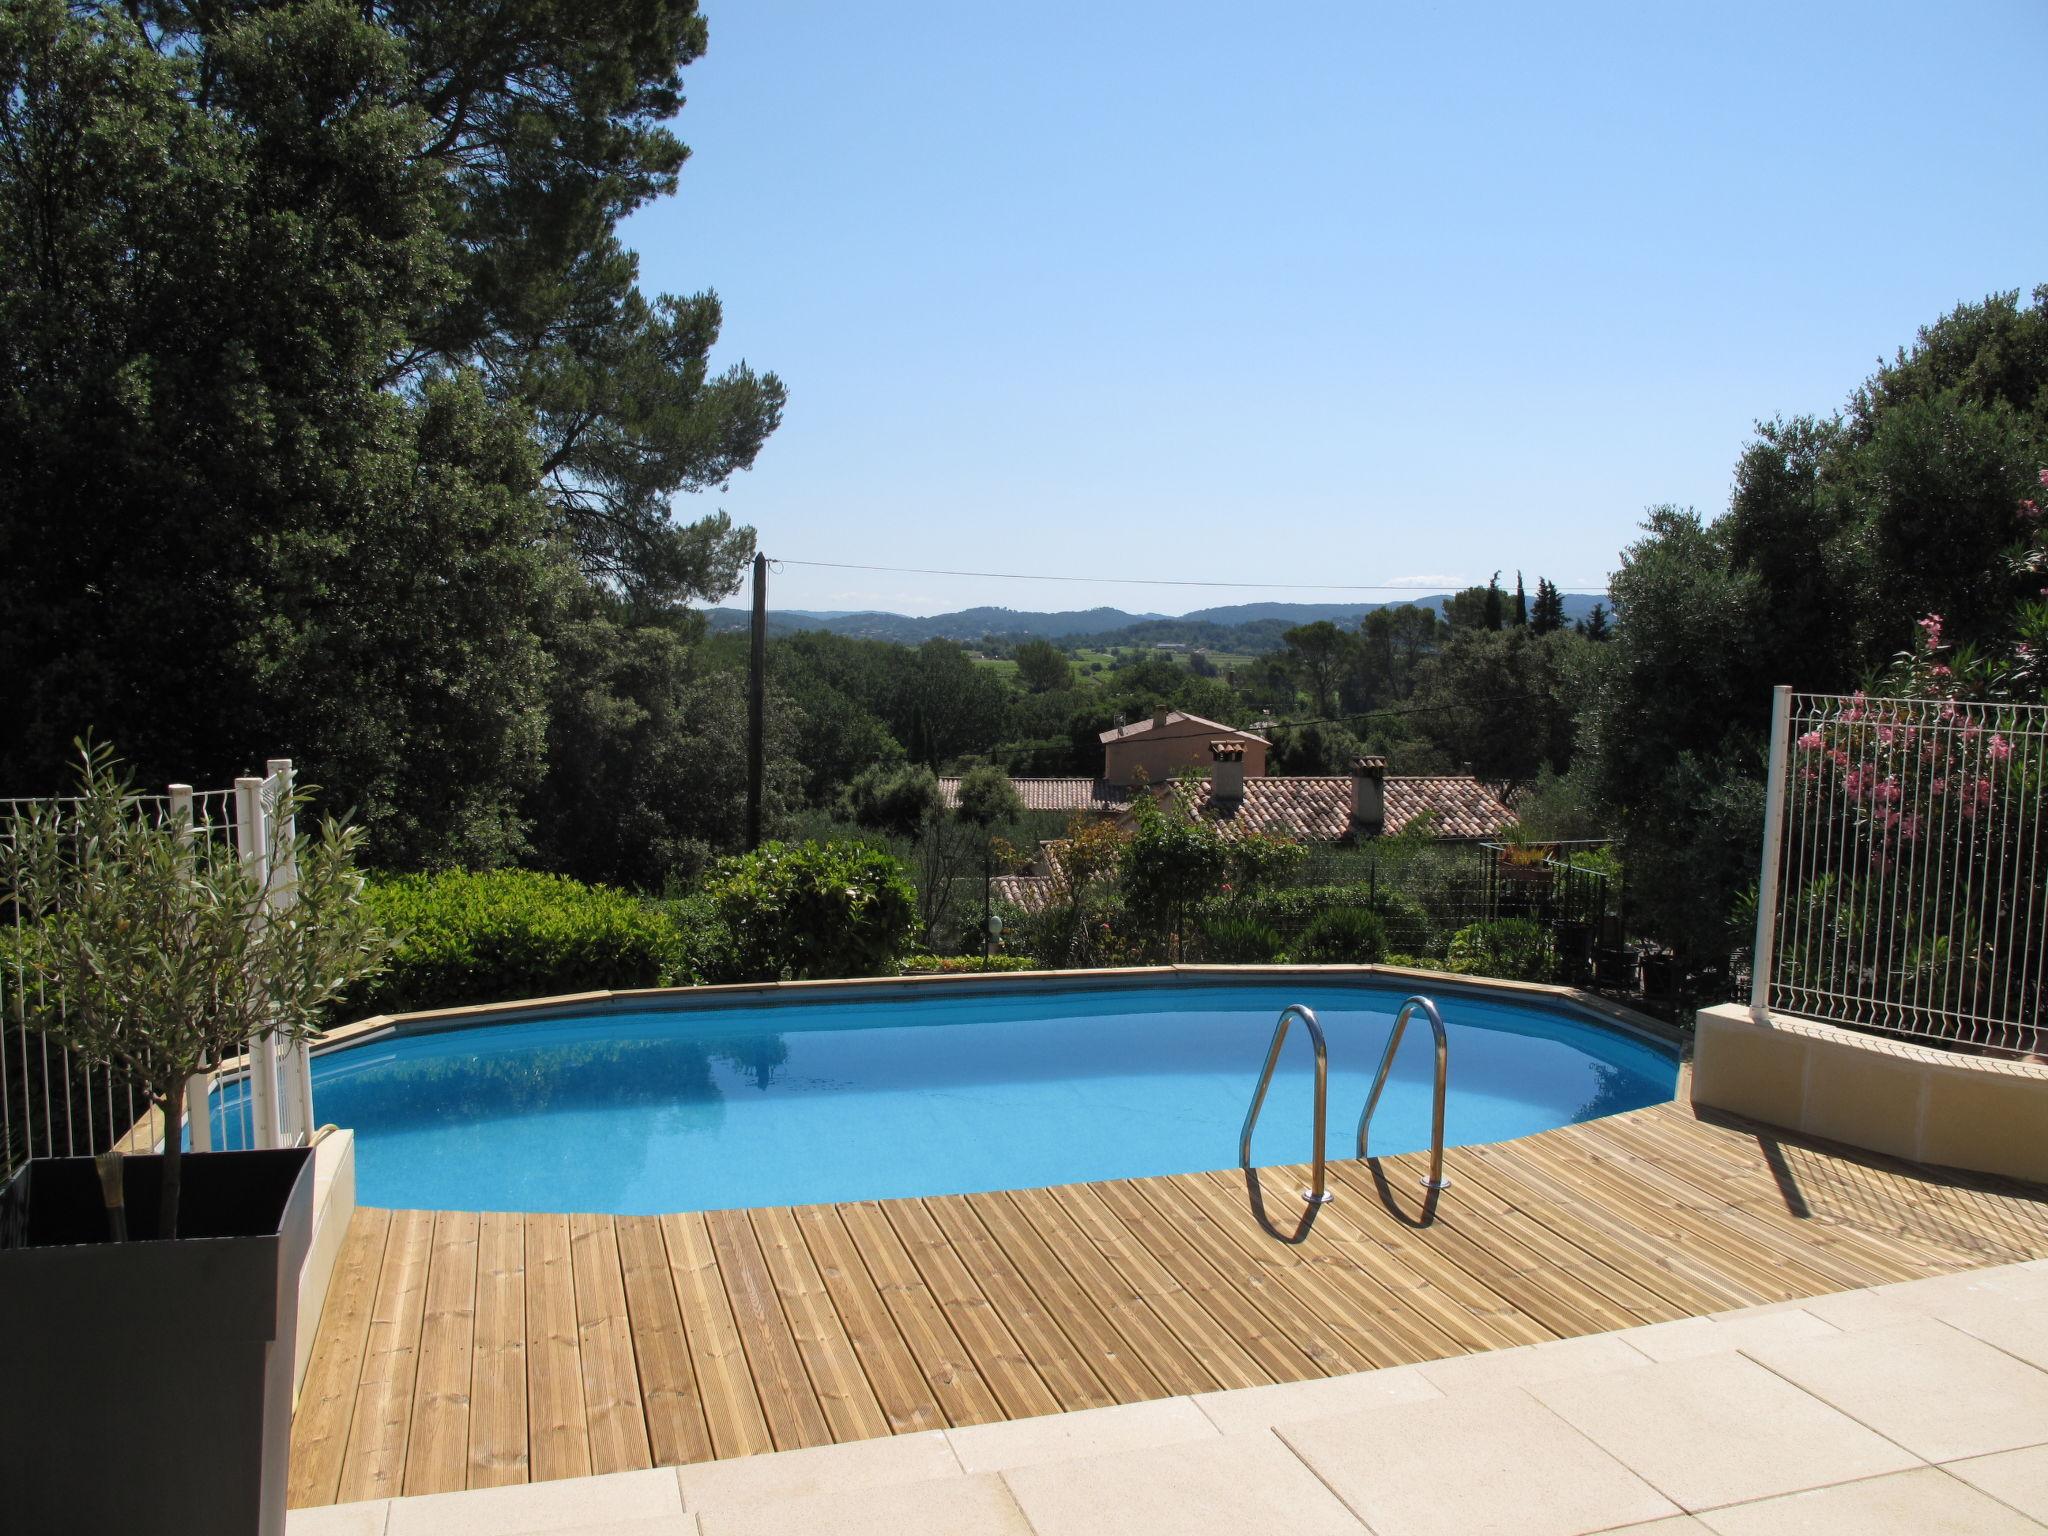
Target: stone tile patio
[{"x": 1916, "y": 1408}]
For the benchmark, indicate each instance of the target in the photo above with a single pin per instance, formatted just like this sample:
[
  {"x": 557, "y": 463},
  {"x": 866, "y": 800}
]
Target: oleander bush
[{"x": 505, "y": 934}]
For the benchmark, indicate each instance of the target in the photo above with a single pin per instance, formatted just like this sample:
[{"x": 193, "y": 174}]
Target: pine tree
[
  {"x": 1521, "y": 604},
  {"x": 1547, "y": 614},
  {"x": 1493, "y": 602},
  {"x": 1594, "y": 626}
]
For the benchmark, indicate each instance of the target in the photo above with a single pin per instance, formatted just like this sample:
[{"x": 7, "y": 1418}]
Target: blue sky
[{"x": 1348, "y": 293}]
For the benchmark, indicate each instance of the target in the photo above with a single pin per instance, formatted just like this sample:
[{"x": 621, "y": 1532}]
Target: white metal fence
[
  {"x": 1905, "y": 873},
  {"x": 55, "y": 1105}
]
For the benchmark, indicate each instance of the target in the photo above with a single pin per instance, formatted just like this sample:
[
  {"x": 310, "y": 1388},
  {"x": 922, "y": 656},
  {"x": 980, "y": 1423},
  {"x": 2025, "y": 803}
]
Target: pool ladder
[{"x": 1317, "y": 1192}]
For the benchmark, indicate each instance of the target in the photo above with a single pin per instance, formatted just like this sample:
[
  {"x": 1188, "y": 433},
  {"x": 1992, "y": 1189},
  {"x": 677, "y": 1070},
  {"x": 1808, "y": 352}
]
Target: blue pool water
[{"x": 683, "y": 1109}]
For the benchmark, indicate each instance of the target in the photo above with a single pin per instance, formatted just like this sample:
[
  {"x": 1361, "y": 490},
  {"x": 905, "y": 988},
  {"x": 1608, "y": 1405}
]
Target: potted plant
[{"x": 148, "y": 1304}]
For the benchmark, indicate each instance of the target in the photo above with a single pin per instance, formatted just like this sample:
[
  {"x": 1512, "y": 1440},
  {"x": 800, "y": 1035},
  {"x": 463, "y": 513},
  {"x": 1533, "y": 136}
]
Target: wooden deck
[{"x": 464, "y": 1351}]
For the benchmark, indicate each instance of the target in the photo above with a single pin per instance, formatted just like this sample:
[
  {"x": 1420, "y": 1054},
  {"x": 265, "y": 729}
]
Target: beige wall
[
  {"x": 1981, "y": 1113},
  {"x": 1164, "y": 751}
]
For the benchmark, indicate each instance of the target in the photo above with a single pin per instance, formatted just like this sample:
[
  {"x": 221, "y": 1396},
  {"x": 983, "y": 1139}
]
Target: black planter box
[{"x": 146, "y": 1386}]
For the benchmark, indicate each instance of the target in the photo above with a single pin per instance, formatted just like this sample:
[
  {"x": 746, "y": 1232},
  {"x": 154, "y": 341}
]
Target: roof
[
  {"x": 1318, "y": 810},
  {"x": 1056, "y": 795},
  {"x": 1179, "y": 717},
  {"x": 1031, "y": 892}
]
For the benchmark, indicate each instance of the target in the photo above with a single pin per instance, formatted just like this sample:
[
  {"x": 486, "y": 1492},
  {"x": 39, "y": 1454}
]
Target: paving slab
[
  {"x": 879, "y": 1463},
  {"x": 954, "y": 1506},
  {"x": 1088, "y": 1432},
  {"x": 2020, "y": 1328},
  {"x": 526, "y": 1509},
  {"x": 1720, "y": 1429},
  {"x": 1237, "y": 1485},
  {"x": 1474, "y": 1464},
  {"x": 1494, "y": 1369},
  {"x": 1248, "y": 1409},
  {"x": 1691, "y": 1337},
  {"x": 1923, "y": 1502},
  {"x": 365, "y": 1519},
  {"x": 1933, "y": 1389},
  {"x": 2018, "y": 1478}
]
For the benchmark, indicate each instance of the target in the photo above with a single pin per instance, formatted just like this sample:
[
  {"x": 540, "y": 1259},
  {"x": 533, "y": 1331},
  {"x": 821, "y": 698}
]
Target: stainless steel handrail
[
  {"x": 1316, "y": 1194},
  {"x": 1436, "y": 1179}
]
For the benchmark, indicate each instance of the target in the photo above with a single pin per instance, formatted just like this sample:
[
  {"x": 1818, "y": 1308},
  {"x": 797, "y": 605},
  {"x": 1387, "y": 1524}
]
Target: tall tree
[
  {"x": 1546, "y": 616},
  {"x": 1319, "y": 653},
  {"x": 1521, "y": 604},
  {"x": 1494, "y": 617},
  {"x": 1594, "y": 625}
]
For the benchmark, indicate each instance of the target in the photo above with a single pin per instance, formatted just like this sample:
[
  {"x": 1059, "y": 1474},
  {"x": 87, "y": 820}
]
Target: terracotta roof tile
[
  {"x": 1318, "y": 810},
  {"x": 1031, "y": 892},
  {"x": 1097, "y": 795}
]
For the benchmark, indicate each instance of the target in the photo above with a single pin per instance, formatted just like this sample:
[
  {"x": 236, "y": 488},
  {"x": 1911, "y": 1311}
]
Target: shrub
[
  {"x": 814, "y": 910},
  {"x": 1510, "y": 947},
  {"x": 1342, "y": 936},
  {"x": 963, "y": 965},
  {"x": 512, "y": 933},
  {"x": 1228, "y": 939}
]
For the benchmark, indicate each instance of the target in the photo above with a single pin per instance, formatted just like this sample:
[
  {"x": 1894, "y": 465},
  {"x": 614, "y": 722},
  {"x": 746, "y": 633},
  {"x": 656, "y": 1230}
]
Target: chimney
[
  {"x": 1159, "y": 717},
  {"x": 1369, "y": 795},
  {"x": 1227, "y": 774}
]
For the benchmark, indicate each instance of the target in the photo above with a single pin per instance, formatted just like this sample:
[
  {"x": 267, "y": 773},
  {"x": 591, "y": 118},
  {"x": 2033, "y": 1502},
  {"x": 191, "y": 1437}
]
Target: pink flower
[
  {"x": 1909, "y": 826},
  {"x": 1939, "y": 672},
  {"x": 1888, "y": 792},
  {"x": 1812, "y": 741},
  {"x": 1938, "y": 785},
  {"x": 1931, "y": 628},
  {"x": 2000, "y": 749},
  {"x": 2044, "y": 477},
  {"x": 2031, "y": 511},
  {"x": 1886, "y": 735}
]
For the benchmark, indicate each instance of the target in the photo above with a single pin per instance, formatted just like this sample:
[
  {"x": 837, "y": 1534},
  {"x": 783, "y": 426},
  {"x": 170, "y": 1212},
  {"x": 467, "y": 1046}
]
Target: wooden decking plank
[
  {"x": 1222, "y": 1355},
  {"x": 1268, "y": 1321},
  {"x": 1555, "y": 1198},
  {"x": 1553, "y": 1302},
  {"x": 906, "y": 1397},
  {"x": 1121, "y": 1370},
  {"x": 374, "y": 1466},
  {"x": 732, "y": 1409},
  {"x": 1840, "y": 1252},
  {"x": 849, "y": 1403},
  {"x": 676, "y": 1431},
  {"x": 1345, "y": 1316},
  {"x": 1059, "y": 1360},
  {"x": 1176, "y": 1365},
  {"x": 1362, "y": 1234},
  {"x": 1003, "y": 1363},
  {"x": 788, "y": 1399},
  {"x": 497, "y": 1378},
  {"x": 1512, "y": 1304},
  {"x": 1502, "y": 1227},
  {"x": 615, "y": 1419},
  {"x": 962, "y": 1391},
  {"x": 328, "y": 1398},
  {"x": 437, "y": 1452},
  {"x": 1678, "y": 1289},
  {"x": 558, "y": 1438},
  {"x": 1595, "y": 1165}
]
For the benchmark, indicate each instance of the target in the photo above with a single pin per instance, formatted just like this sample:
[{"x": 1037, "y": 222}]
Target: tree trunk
[{"x": 174, "y": 1161}]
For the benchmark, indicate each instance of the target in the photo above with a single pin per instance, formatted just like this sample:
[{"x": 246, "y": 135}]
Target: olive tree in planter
[{"x": 167, "y": 954}]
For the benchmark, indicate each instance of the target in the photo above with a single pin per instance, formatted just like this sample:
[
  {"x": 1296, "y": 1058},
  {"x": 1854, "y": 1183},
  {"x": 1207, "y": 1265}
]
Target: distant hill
[{"x": 1236, "y": 626}]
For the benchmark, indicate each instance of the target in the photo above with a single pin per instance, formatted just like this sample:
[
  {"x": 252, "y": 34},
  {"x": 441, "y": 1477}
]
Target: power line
[{"x": 1140, "y": 581}]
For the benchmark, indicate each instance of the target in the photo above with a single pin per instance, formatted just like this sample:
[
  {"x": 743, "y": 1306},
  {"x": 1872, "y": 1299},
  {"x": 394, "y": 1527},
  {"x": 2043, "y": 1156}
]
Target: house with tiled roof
[
  {"x": 1066, "y": 796},
  {"x": 1367, "y": 802},
  {"x": 1169, "y": 743}
]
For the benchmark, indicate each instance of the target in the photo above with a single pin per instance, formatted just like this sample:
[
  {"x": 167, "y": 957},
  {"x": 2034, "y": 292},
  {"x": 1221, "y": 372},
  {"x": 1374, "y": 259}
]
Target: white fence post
[
  {"x": 199, "y": 1086},
  {"x": 253, "y": 847},
  {"x": 294, "y": 1064},
  {"x": 1763, "y": 952}
]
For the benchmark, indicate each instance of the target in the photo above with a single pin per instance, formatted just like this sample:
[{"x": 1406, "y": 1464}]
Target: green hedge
[
  {"x": 507, "y": 934},
  {"x": 809, "y": 911},
  {"x": 1513, "y": 948}
]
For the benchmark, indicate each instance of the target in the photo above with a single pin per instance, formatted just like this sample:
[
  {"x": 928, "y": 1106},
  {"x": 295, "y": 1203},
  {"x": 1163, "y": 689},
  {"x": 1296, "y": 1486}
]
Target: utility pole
[{"x": 757, "y": 694}]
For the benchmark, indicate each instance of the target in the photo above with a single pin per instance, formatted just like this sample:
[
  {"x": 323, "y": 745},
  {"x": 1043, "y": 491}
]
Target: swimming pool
[{"x": 635, "y": 1111}]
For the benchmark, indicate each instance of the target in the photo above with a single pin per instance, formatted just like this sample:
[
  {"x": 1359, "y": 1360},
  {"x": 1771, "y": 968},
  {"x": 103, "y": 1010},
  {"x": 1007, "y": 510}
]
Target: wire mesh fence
[
  {"x": 1905, "y": 884},
  {"x": 52, "y": 1102}
]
